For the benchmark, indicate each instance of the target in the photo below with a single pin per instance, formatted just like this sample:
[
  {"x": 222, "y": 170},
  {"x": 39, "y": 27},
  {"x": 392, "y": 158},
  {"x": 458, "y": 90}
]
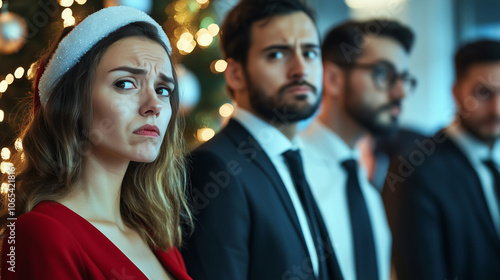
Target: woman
[{"x": 100, "y": 188}]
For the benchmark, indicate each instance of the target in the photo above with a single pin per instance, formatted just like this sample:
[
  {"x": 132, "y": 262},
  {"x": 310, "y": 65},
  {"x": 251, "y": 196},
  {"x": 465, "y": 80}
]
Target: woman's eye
[
  {"x": 124, "y": 84},
  {"x": 164, "y": 91}
]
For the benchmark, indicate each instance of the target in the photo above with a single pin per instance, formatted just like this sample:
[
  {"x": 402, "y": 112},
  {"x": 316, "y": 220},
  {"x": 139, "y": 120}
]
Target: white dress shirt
[
  {"x": 477, "y": 152},
  {"x": 274, "y": 143},
  {"x": 324, "y": 152}
]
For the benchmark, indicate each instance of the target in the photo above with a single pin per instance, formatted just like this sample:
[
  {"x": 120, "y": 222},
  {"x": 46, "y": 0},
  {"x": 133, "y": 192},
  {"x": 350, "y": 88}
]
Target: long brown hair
[{"x": 56, "y": 139}]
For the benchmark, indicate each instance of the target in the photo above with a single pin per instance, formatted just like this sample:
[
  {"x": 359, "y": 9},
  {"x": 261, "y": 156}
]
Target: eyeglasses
[{"x": 384, "y": 75}]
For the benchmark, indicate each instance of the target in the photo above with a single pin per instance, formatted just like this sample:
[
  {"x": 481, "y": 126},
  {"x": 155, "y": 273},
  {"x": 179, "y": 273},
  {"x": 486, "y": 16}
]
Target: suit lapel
[
  {"x": 248, "y": 146},
  {"x": 476, "y": 194}
]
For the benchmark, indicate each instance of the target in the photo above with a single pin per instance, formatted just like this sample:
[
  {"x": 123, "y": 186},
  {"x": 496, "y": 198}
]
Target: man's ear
[
  {"x": 234, "y": 75},
  {"x": 333, "y": 79}
]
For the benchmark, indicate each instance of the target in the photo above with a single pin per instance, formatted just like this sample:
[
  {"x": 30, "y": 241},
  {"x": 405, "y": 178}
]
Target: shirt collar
[
  {"x": 329, "y": 143},
  {"x": 476, "y": 150},
  {"x": 272, "y": 141}
]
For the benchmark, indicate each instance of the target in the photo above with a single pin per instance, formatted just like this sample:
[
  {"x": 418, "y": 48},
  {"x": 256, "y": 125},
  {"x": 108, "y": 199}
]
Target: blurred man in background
[
  {"x": 442, "y": 196},
  {"x": 365, "y": 78}
]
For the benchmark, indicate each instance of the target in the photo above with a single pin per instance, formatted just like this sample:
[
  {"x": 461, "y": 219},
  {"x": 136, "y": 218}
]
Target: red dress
[{"x": 53, "y": 242}]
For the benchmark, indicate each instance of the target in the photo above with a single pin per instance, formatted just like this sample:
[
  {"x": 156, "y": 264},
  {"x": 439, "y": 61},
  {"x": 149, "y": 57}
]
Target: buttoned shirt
[{"x": 323, "y": 153}]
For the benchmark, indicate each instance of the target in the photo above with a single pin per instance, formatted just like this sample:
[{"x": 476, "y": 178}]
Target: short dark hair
[
  {"x": 343, "y": 44},
  {"x": 237, "y": 26},
  {"x": 481, "y": 51}
]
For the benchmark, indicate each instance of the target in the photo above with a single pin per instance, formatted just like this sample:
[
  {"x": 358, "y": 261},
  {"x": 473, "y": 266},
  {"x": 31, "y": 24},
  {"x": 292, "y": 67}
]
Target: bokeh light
[
  {"x": 205, "y": 134},
  {"x": 226, "y": 110}
]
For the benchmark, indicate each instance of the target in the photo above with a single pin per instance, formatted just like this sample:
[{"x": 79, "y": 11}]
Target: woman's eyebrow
[{"x": 139, "y": 71}]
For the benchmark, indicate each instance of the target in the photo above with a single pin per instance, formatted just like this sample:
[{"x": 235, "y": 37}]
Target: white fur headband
[{"x": 83, "y": 37}]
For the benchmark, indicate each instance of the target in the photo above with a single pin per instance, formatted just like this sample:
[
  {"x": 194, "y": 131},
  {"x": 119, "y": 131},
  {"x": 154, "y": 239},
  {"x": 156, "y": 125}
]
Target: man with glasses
[
  {"x": 443, "y": 196},
  {"x": 365, "y": 78}
]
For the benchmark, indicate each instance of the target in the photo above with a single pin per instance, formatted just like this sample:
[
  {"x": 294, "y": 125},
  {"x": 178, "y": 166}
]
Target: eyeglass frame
[{"x": 405, "y": 76}]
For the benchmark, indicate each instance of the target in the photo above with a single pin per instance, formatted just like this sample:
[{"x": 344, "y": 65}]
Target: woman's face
[{"x": 131, "y": 100}]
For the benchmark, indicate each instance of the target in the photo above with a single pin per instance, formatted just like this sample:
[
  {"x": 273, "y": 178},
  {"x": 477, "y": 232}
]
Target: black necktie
[
  {"x": 496, "y": 177},
  {"x": 316, "y": 225},
  {"x": 364, "y": 245}
]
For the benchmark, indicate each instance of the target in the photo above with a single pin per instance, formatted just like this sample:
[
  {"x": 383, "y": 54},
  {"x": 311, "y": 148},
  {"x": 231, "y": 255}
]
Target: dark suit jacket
[
  {"x": 441, "y": 226},
  {"x": 246, "y": 226}
]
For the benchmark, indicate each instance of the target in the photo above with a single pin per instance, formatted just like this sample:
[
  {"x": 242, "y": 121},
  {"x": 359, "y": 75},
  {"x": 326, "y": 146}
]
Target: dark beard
[
  {"x": 475, "y": 133},
  {"x": 367, "y": 117},
  {"x": 276, "y": 112}
]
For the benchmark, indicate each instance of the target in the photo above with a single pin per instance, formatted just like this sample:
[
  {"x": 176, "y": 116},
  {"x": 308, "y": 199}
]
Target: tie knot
[
  {"x": 294, "y": 160},
  {"x": 350, "y": 165},
  {"x": 293, "y": 155}
]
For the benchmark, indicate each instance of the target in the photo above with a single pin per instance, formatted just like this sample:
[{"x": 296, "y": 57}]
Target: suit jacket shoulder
[
  {"x": 245, "y": 219},
  {"x": 438, "y": 215}
]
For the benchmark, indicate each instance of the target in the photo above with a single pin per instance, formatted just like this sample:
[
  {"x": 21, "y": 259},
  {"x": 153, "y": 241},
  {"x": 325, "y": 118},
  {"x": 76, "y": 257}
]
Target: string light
[
  {"x": 3, "y": 86},
  {"x": 185, "y": 17},
  {"x": 19, "y": 72},
  {"x": 69, "y": 21},
  {"x": 5, "y": 186},
  {"x": 9, "y": 79},
  {"x": 5, "y": 153},
  {"x": 203, "y": 38},
  {"x": 226, "y": 110},
  {"x": 205, "y": 134},
  {"x": 213, "y": 29},
  {"x": 186, "y": 43},
  {"x": 204, "y": 4},
  {"x": 66, "y": 13},
  {"x": 18, "y": 145},
  {"x": 220, "y": 65},
  {"x": 5, "y": 166},
  {"x": 66, "y": 3},
  {"x": 187, "y": 36}
]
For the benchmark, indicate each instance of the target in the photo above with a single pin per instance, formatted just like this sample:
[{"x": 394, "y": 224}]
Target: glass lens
[
  {"x": 384, "y": 75},
  {"x": 409, "y": 82}
]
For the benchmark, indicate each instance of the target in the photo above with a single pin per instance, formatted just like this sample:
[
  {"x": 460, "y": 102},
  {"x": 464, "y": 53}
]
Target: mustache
[
  {"x": 389, "y": 106},
  {"x": 297, "y": 83}
]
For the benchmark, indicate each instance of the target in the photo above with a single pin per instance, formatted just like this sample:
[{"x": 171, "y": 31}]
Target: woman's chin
[{"x": 145, "y": 158}]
